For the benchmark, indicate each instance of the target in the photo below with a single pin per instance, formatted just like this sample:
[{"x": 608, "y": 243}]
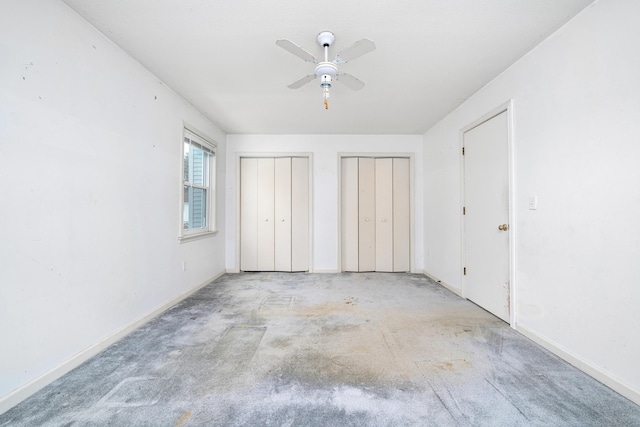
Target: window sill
[{"x": 198, "y": 236}]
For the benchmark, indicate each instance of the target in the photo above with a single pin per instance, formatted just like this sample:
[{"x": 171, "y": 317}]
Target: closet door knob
[{"x": 266, "y": 219}]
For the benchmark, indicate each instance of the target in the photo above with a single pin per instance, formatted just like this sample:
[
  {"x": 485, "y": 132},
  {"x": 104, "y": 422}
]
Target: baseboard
[
  {"x": 325, "y": 271},
  {"x": 444, "y": 284},
  {"x": 21, "y": 393},
  {"x": 586, "y": 367}
]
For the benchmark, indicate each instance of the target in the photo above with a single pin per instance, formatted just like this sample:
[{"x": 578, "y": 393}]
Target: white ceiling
[{"x": 431, "y": 55}]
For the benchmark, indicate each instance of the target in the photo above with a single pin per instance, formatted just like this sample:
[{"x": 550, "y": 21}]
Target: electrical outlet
[
  {"x": 533, "y": 202},
  {"x": 184, "y": 265}
]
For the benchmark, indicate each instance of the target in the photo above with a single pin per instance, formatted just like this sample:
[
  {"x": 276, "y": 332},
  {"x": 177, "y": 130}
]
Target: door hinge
[
  {"x": 464, "y": 210},
  {"x": 465, "y": 271},
  {"x": 463, "y": 151}
]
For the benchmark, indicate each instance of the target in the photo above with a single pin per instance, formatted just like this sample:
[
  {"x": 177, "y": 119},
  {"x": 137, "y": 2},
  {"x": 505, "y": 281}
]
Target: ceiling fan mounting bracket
[{"x": 326, "y": 38}]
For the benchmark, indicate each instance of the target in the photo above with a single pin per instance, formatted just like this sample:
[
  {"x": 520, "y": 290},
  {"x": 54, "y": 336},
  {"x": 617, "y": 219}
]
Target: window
[{"x": 198, "y": 186}]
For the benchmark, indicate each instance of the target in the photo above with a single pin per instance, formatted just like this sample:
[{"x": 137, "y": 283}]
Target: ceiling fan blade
[
  {"x": 290, "y": 46},
  {"x": 349, "y": 81},
  {"x": 357, "y": 49},
  {"x": 303, "y": 81}
]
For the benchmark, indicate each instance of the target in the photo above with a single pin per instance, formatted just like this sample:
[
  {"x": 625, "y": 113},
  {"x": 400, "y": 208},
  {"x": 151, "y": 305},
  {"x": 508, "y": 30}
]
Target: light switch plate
[{"x": 533, "y": 202}]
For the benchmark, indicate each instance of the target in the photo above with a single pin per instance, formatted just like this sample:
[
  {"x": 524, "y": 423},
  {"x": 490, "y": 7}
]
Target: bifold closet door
[
  {"x": 266, "y": 230},
  {"x": 248, "y": 214},
  {"x": 401, "y": 217},
  {"x": 384, "y": 214},
  {"x": 299, "y": 214},
  {"x": 349, "y": 206},
  {"x": 257, "y": 233},
  {"x": 366, "y": 215},
  {"x": 274, "y": 214},
  {"x": 375, "y": 204},
  {"x": 283, "y": 214}
]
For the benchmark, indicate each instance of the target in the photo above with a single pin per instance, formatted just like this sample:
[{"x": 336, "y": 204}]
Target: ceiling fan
[{"x": 327, "y": 70}]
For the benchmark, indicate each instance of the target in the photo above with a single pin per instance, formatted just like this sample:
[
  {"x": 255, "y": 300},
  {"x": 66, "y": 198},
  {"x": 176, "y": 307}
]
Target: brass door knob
[{"x": 503, "y": 227}]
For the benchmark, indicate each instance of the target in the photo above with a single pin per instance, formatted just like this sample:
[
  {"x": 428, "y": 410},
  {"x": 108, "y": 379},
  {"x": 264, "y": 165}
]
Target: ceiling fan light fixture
[{"x": 327, "y": 71}]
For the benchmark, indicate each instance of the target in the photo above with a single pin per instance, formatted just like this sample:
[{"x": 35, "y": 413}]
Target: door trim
[
  {"x": 507, "y": 107},
  {"x": 257, "y": 155},
  {"x": 412, "y": 239}
]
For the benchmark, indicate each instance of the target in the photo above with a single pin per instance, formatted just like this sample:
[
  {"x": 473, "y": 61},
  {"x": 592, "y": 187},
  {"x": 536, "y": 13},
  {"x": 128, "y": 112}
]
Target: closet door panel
[
  {"x": 401, "y": 215},
  {"x": 299, "y": 214},
  {"x": 366, "y": 215},
  {"x": 266, "y": 231},
  {"x": 248, "y": 214},
  {"x": 282, "y": 214},
  {"x": 349, "y": 207},
  {"x": 384, "y": 214}
]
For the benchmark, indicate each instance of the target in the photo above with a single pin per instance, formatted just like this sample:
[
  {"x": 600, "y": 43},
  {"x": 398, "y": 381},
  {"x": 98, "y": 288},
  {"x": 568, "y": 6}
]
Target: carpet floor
[{"x": 366, "y": 349}]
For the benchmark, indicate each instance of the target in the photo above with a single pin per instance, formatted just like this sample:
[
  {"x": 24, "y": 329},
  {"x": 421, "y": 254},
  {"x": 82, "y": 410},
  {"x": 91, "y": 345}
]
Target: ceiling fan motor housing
[{"x": 326, "y": 68}]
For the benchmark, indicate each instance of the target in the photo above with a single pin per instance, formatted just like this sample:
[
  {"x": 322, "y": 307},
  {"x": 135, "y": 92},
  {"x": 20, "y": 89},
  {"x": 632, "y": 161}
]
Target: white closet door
[
  {"x": 349, "y": 203},
  {"x": 266, "y": 231},
  {"x": 366, "y": 215},
  {"x": 401, "y": 219},
  {"x": 299, "y": 214},
  {"x": 282, "y": 214},
  {"x": 384, "y": 214},
  {"x": 249, "y": 214}
]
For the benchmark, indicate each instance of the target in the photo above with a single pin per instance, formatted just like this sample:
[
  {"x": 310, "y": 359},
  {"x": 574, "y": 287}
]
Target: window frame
[{"x": 197, "y": 139}]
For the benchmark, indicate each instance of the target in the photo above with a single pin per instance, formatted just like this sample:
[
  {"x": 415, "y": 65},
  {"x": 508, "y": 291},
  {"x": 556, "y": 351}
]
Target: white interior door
[
  {"x": 266, "y": 230},
  {"x": 366, "y": 215},
  {"x": 486, "y": 219},
  {"x": 300, "y": 214},
  {"x": 384, "y": 214},
  {"x": 282, "y": 208}
]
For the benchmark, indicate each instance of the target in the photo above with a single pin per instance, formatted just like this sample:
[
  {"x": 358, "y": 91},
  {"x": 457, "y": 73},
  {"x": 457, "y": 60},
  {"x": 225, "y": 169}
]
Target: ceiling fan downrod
[{"x": 326, "y": 70}]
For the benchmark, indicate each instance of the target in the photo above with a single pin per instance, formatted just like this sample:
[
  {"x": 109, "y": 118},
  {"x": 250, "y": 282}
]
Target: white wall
[
  {"x": 90, "y": 155},
  {"x": 325, "y": 215},
  {"x": 577, "y": 147}
]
